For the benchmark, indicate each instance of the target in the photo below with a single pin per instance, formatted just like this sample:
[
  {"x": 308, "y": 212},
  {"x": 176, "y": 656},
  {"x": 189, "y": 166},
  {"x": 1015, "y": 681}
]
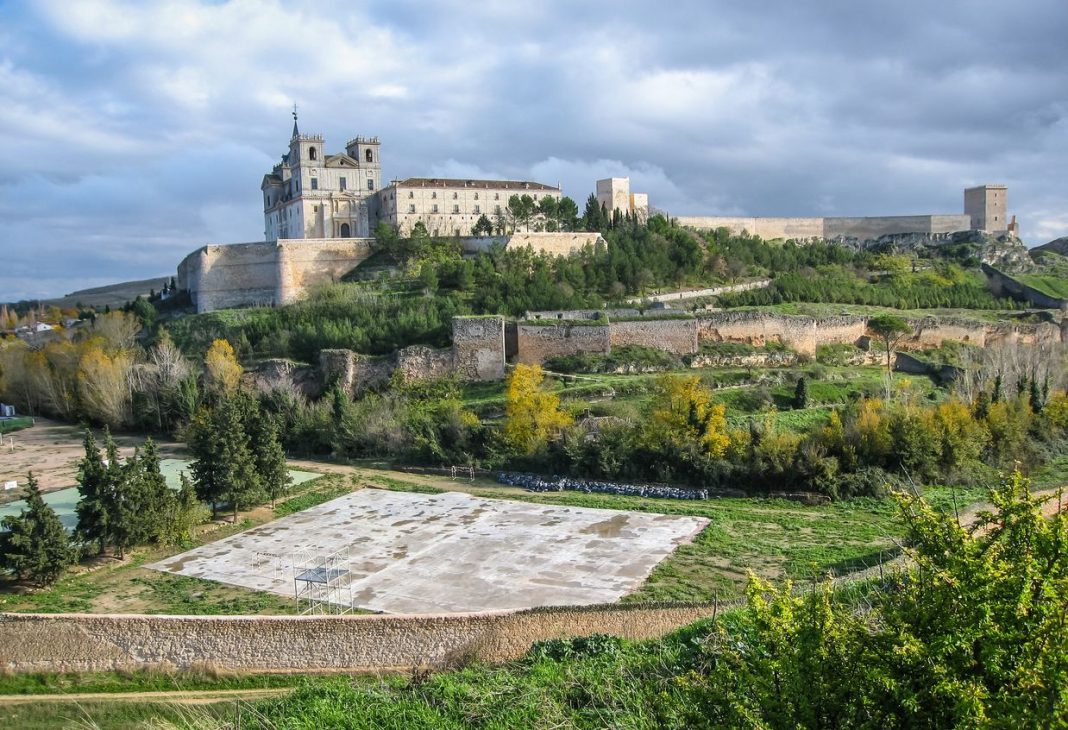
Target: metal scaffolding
[{"x": 322, "y": 584}]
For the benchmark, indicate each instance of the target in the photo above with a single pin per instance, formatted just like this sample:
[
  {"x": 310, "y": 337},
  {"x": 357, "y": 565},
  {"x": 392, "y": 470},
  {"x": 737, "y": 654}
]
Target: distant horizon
[{"x": 144, "y": 129}]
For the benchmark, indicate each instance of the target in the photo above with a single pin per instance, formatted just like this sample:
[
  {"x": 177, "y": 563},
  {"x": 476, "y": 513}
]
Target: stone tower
[{"x": 987, "y": 206}]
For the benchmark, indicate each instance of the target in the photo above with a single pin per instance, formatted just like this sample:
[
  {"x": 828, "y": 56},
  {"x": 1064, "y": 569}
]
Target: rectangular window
[
  {"x": 435, "y": 209},
  {"x": 496, "y": 196},
  {"x": 411, "y": 208},
  {"x": 411, "y": 193},
  {"x": 455, "y": 196},
  {"x": 343, "y": 183},
  {"x": 478, "y": 209},
  {"x": 434, "y": 195},
  {"x": 497, "y": 209},
  {"x": 456, "y": 209},
  {"x": 476, "y": 196},
  {"x": 370, "y": 184},
  {"x": 315, "y": 183}
]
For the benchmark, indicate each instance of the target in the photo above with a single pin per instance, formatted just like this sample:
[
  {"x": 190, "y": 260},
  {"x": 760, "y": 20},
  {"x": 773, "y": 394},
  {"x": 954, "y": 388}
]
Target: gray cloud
[{"x": 140, "y": 131}]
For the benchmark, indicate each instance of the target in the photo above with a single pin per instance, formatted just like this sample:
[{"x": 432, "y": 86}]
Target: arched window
[
  {"x": 311, "y": 153},
  {"x": 344, "y": 230},
  {"x": 369, "y": 155}
]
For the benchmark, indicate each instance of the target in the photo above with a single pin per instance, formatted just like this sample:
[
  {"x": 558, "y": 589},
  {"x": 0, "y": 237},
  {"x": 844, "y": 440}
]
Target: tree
[
  {"x": 548, "y": 208},
  {"x": 521, "y": 210},
  {"x": 237, "y": 476},
  {"x": 483, "y": 226},
  {"x": 801, "y": 393},
  {"x": 567, "y": 214},
  {"x": 188, "y": 512},
  {"x": 889, "y": 329},
  {"x": 221, "y": 369},
  {"x": 35, "y": 545},
  {"x": 683, "y": 415},
  {"x": 592, "y": 218},
  {"x": 94, "y": 489},
  {"x": 270, "y": 457},
  {"x": 205, "y": 444},
  {"x": 532, "y": 414},
  {"x": 104, "y": 384},
  {"x": 389, "y": 242}
]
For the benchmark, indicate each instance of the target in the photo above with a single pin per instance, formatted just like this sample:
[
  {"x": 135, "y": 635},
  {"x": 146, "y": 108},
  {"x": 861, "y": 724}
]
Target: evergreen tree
[
  {"x": 801, "y": 393},
  {"x": 591, "y": 218},
  {"x": 187, "y": 513},
  {"x": 237, "y": 476},
  {"x": 270, "y": 457},
  {"x": 205, "y": 445},
  {"x": 94, "y": 487},
  {"x": 35, "y": 544},
  {"x": 157, "y": 499}
]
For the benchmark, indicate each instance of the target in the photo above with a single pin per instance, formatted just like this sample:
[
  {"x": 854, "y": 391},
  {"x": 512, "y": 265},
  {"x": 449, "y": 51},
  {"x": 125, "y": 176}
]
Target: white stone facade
[
  {"x": 451, "y": 207},
  {"x": 312, "y": 194}
]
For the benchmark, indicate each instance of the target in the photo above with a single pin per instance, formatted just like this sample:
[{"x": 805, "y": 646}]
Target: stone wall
[
  {"x": 759, "y": 328},
  {"x": 478, "y": 347},
  {"x": 265, "y": 273},
  {"x": 678, "y": 336},
  {"x": 554, "y": 244},
  {"x": 420, "y": 362},
  {"x": 540, "y": 342},
  {"x": 83, "y": 642},
  {"x": 805, "y": 228},
  {"x": 1001, "y": 284}
]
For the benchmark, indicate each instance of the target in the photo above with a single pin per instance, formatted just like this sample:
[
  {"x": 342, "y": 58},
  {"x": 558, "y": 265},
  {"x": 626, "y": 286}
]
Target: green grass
[
  {"x": 1053, "y": 286},
  {"x": 185, "y": 596},
  {"x": 328, "y": 488},
  {"x": 137, "y": 681},
  {"x": 18, "y": 423}
]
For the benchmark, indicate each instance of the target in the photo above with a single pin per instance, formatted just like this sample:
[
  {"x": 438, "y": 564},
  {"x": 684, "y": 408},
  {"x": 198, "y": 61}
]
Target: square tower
[
  {"x": 987, "y": 206},
  {"x": 614, "y": 194}
]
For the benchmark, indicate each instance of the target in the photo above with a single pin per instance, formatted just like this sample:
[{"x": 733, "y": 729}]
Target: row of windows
[
  {"x": 455, "y": 196},
  {"x": 313, "y": 154},
  {"x": 456, "y": 209},
  {"x": 343, "y": 184}
]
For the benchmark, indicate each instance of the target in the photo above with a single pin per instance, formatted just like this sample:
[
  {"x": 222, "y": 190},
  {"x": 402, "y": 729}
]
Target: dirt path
[{"x": 180, "y": 697}]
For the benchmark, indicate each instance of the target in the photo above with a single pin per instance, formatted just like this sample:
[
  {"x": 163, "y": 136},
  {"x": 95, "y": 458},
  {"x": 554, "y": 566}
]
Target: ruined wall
[
  {"x": 541, "y": 342},
  {"x": 84, "y": 642},
  {"x": 478, "y": 347},
  {"x": 678, "y": 336},
  {"x": 420, "y": 362},
  {"x": 1001, "y": 284},
  {"x": 931, "y": 332},
  {"x": 265, "y": 273},
  {"x": 757, "y": 328},
  {"x": 766, "y": 228}
]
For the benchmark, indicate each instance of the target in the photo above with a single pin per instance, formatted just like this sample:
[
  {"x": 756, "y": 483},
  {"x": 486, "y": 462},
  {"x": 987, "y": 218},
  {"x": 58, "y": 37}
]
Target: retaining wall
[
  {"x": 478, "y": 349},
  {"x": 863, "y": 228},
  {"x": 85, "y": 642},
  {"x": 1001, "y": 284}
]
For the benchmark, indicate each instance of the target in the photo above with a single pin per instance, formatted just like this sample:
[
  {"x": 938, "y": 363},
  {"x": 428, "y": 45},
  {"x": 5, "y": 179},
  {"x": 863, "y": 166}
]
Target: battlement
[{"x": 361, "y": 140}]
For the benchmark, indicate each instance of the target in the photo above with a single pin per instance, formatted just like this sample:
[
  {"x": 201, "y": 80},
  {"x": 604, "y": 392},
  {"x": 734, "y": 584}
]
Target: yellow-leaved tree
[
  {"x": 221, "y": 368},
  {"x": 683, "y": 413},
  {"x": 532, "y": 414},
  {"x": 104, "y": 384}
]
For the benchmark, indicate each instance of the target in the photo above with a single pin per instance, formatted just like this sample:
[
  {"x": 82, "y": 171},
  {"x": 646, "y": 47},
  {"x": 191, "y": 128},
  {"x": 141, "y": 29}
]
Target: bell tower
[{"x": 365, "y": 151}]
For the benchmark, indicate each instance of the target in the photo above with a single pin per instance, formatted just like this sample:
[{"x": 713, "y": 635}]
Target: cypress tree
[
  {"x": 238, "y": 479},
  {"x": 270, "y": 457},
  {"x": 93, "y": 488},
  {"x": 801, "y": 393},
  {"x": 35, "y": 544},
  {"x": 205, "y": 445}
]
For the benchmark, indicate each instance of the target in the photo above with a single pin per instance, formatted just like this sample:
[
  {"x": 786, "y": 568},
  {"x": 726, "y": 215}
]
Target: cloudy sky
[{"x": 136, "y": 131}]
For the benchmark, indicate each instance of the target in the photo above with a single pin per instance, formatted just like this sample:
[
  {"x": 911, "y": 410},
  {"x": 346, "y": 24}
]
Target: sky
[{"x": 135, "y": 132}]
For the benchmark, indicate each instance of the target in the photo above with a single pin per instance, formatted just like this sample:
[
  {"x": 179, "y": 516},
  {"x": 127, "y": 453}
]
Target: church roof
[{"x": 437, "y": 182}]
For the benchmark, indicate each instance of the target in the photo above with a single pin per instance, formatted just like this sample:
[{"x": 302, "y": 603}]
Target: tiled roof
[{"x": 437, "y": 182}]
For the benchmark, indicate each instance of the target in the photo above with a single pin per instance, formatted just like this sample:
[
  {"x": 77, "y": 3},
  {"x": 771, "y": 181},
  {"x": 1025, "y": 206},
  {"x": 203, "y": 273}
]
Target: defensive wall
[
  {"x": 830, "y": 228},
  {"x": 93, "y": 643},
  {"x": 477, "y": 353},
  {"x": 266, "y": 273},
  {"x": 563, "y": 243}
]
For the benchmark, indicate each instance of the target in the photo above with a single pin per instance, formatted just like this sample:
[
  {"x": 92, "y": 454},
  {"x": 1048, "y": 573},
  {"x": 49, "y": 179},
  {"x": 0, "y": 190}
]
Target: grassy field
[{"x": 1054, "y": 286}]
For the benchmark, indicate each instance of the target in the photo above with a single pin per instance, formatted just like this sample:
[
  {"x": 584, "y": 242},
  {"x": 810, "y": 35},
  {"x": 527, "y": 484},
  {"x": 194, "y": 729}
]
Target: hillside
[{"x": 112, "y": 295}]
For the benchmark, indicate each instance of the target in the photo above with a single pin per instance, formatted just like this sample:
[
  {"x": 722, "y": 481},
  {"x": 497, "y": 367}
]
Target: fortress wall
[
  {"x": 419, "y": 362},
  {"x": 234, "y": 275},
  {"x": 678, "y": 336},
  {"x": 87, "y": 642},
  {"x": 846, "y": 227},
  {"x": 931, "y": 332},
  {"x": 845, "y": 330},
  {"x": 304, "y": 263},
  {"x": 538, "y": 343},
  {"x": 767, "y": 228},
  {"x": 756, "y": 328},
  {"x": 478, "y": 351}
]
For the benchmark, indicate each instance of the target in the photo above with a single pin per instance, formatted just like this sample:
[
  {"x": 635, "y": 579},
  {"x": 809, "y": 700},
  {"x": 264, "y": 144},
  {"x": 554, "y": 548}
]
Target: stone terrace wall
[
  {"x": 478, "y": 347},
  {"x": 82, "y": 642},
  {"x": 678, "y": 336},
  {"x": 419, "y": 362},
  {"x": 541, "y": 342}
]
